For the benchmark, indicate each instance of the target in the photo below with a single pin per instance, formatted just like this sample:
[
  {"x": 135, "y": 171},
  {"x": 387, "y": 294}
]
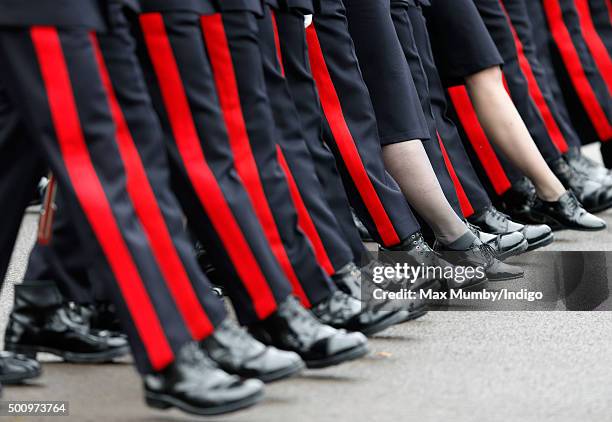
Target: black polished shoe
[
  {"x": 195, "y": 384},
  {"x": 415, "y": 252},
  {"x": 296, "y": 329},
  {"x": 517, "y": 201},
  {"x": 566, "y": 213},
  {"x": 238, "y": 353},
  {"x": 383, "y": 312},
  {"x": 340, "y": 310},
  {"x": 57, "y": 333},
  {"x": 15, "y": 368},
  {"x": 38, "y": 324},
  {"x": 587, "y": 167},
  {"x": 593, "y": 196},
  {"x": 492, "y": 221},
  {"x": 101, "y": 320},
  {"x": 504, "y": 245},
  {"x": 481, "y": 255},
  {"x": 102, "y": 317}
]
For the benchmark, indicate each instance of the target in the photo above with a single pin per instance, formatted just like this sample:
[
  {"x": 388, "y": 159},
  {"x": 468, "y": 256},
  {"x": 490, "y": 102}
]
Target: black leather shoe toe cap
[{"x": 16, "y": 368}]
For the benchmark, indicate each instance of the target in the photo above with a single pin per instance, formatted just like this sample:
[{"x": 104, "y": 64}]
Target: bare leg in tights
[
  {"x": 504, "y": 126},
  {"x": 409, "y": 165}
]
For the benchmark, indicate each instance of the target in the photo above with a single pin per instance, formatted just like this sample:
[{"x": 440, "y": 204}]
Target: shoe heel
[{"x": 157, "y": 403}]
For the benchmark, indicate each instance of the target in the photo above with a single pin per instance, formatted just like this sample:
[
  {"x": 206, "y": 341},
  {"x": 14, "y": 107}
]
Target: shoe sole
[
  {"x": 517, "y": 250},
  {"x": 393, "y": 318},
  {"x": 542, "y": 242},
  {"x": 283, "y": 373},
  {"x": 70, "y": 357},
  {"x": 557, "y": 226},
  {"x": 348, "y": 355},
  {"x": 18, "y": 379},
  {"x": 164, "y": 402},
  {"x": 510, "y": 277},
  {"x": 416, "y": 313}
]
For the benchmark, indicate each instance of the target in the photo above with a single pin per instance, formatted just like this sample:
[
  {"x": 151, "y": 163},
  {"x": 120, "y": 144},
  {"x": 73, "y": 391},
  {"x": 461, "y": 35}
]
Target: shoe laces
[
  {"x": 478, "y": 233},
  {"x": 419, "y": 244},
  {"x": 299, "y": 313},
  {"x": 573, "y": 205},
  {"x": 354, "y": 271},
  {"x": 498, "y": 215},
  {"x": 487, "y": 252},
  {"x": 78, "y": 315},
  {"x": 343, "y": 299},
  {"x": 339, "y": 297},
  {"x": 238, "y": 333},
  {"x": 194, "y": 356}
]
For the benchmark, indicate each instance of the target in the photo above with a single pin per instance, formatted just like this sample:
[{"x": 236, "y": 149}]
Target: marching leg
[{"x": 303, "y": 92}]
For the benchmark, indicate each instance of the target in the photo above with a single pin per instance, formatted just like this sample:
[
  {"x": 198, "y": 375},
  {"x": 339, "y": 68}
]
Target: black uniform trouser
[
  {"x": 315, "y": 217},
  {"x": 192, "y": 80},
  {"x": 601, "y": 14},
  {"x": 254, "y": 138},
  {"x": 594, "y": 34},
  {"x": 65, "y": 261},
  {"x": 452, "y": 165},
  {"x": 385, "y": 71},
  {"x": 350, "y": 128},
  {"x": 54, "y": 79},
  {"x": 558, "y": 32},
  {"x": 542, "y": 84},
  {"x": 543, "y": 128},
  {"x": 296, "y": 67}
]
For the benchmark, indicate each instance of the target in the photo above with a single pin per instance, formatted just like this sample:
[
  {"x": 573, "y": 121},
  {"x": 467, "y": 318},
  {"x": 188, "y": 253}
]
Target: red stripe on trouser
[
  {"x": 594, "y": 42},
  {"x": 609, "y": 6},
  {"x": 534, "y": 90},
  {"x": 478, "y": 138},
  {"x": 150, "y": 215},
  {"x": 246, "y": 166},
  {"x": 277, "y": 42},
  {"x": 332, "y": 108},
  {"x": 464, "y": 202},
  {"x": 576, "y": 72},
  {"x": 304, "y": 220},
  {"x": 200, "y": 175},
  {"x": 91, "y": 195}
]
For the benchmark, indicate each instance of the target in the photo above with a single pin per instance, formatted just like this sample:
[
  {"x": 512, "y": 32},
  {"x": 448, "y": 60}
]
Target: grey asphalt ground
[{"x": 458, "y": 366}]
